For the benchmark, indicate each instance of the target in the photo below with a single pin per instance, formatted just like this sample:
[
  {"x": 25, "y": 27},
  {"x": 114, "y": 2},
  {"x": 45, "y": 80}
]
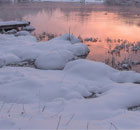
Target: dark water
[{"x": 116, "y": 23}]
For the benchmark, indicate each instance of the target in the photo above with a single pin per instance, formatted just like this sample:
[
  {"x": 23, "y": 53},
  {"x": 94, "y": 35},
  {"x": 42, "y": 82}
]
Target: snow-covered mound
[
  {"x": 83, "y": 95},
  {"x": 29, "y": 28},
  {"x": 53, "y": 54},
  {"x": 100, "y": 71},
  {"x": 79, "y": 79},
  {"x": 22, "y": 33},
  {"x": 54, "y": 60},
  {"x": 6, "y": 23},
  {"x": 32, "y": 98}
]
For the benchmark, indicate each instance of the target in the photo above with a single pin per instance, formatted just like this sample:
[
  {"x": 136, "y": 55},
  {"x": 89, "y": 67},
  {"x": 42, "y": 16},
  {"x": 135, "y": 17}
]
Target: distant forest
[
  {"x": 3, "y": 1},
  {"x": 123, "y": 2},
  {"x": 110, "y": 2}
]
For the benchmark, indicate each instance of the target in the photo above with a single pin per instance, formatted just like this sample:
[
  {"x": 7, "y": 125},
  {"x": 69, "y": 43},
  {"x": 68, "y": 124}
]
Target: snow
[
  {"x": 22, "y": 33},
  {"x": 103, "y": 71},
  {"x": 54, "y": 60},
  {"x": 25, "y": 47},
  {"x": 6, "y": 23},
  {"x": 13, "y": 31},
  {"x": 29, "y": 28},
  {"x": 8, "y": 59},
  {"x": 61, "y": 88}
]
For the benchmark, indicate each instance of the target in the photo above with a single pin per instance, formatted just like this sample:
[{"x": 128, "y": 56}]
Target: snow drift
[
  {"x": 53, "y": 54},
  {"x": 83, "y": 91}
]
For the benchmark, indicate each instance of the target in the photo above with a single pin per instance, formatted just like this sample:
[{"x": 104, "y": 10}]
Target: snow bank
[
  {"x": 29, "y": 28},
  {"x": 6, "y": 23},
  {"x": 56, "y": 93},
  {"x": 100, "y": 71},
  {"x": 79, "y": 79},
  {"x": 25, "y": 47},
  {"x": 54, "y": 60},
  {"x": 107, "y": 106},
  {"x": 84, "y": 91},
  {"x": 8, "y": 59},
  {"x": 22, "y": 33}
]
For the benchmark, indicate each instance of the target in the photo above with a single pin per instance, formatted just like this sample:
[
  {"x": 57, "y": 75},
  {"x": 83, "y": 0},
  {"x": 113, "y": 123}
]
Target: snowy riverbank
[
  {"x": 53, "y": 54},
  {"x": 84, "y": 94}
]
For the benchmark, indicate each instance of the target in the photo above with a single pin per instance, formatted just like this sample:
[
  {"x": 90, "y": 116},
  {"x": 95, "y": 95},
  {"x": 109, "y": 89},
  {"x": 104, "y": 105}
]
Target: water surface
[{"x": 84, "y": 20}]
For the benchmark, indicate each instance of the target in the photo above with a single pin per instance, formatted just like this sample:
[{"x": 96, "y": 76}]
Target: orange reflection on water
[
  {"x": 97, "y": 24},
  {"x": 97, "y": 21}
]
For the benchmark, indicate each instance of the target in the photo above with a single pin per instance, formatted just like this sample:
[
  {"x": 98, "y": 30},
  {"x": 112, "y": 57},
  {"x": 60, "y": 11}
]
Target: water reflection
[{"x": 91, "y": 20}]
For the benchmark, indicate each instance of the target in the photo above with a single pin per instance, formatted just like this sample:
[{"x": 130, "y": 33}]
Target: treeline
[
  {"x": 3, "y": 1},
  {"x": 123, "y": 2}
]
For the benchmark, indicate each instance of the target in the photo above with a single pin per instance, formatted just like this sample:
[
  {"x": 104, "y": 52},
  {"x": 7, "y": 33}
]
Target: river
[{"x": 109, "y": 26}]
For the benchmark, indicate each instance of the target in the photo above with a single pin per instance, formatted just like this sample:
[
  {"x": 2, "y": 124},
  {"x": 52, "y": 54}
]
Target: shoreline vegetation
[
  {"x": 121, "y": 47},
  {"x": 126, "y": 63},
  {"x": 108, "y": 2},
  {"x": 123, "y": 2}
]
